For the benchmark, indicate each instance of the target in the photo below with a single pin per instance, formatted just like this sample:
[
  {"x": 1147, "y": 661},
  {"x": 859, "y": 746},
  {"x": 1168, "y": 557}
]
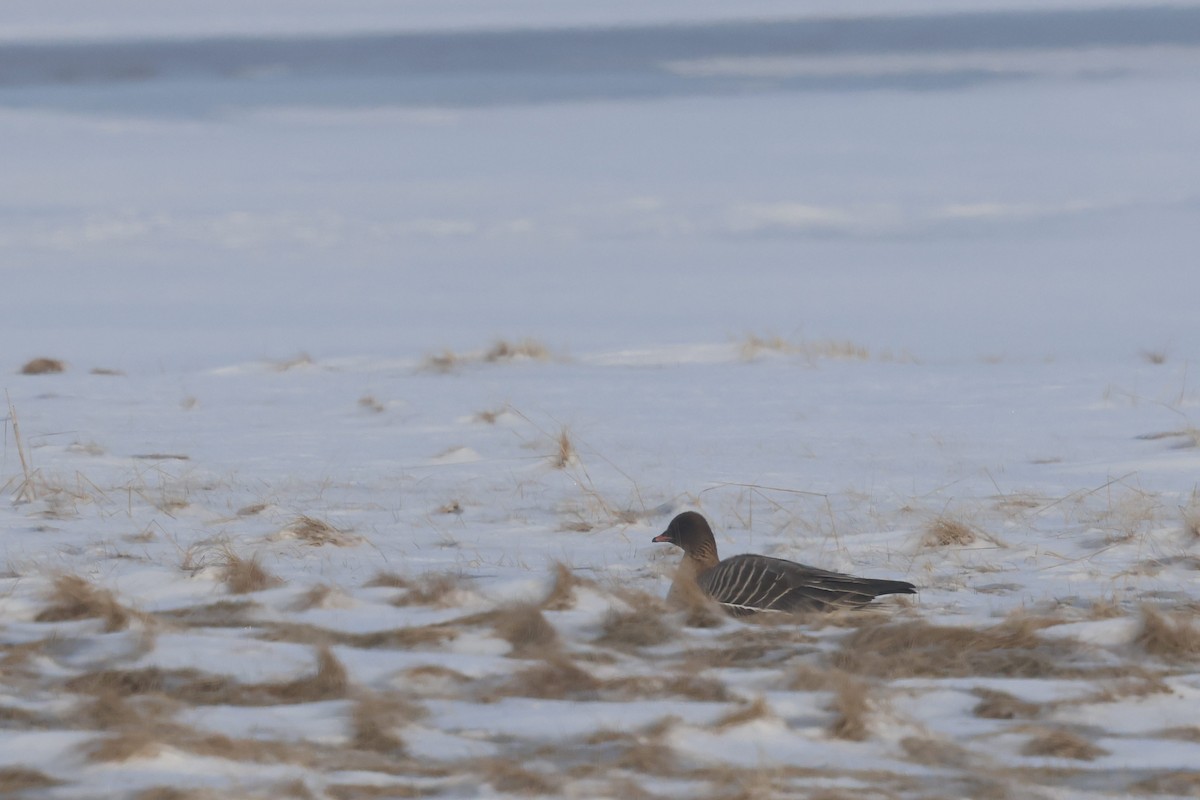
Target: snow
[{"x": 490, "y": 319}]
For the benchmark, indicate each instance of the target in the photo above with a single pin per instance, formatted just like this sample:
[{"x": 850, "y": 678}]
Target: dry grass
[
  {"x": 432, "y": 588},
  {"x": 73, "y": 597},
  {"x": 387, "y": 580},
  {"x": 1059, "y": 743},
  {"x": 507, "y": 777},
  {"x": 947, "y": 532},
  {"x": 20, "y": 779},
  {"x": 316, "y": 597},
  {"x": 375, "y": 719},
  {"x": 245, "y": 575},
  {"x": 445, "y": 361},
  {"x": 565, "y": 454},
  {"x": 745, "y": 712},
  {"x": 994, "y": 704},
  {"x": 556, "y": 678},
  {"x": 850, "y": 706},
  {"x": 526, "y": 629},
  {"x": 562, "y": 592},
  {"x": 634, "y": 629},
  {"x": 503, "y": 350},
  {"x": 316, "y": 532},
  {"x": 372, "y": 791},
  {"x": 805, "y": 677},
  {"x": 935, "y": 753},
  {"x": 328, "y": 682},
  {"x": 753, "y": 346},
  {"x": 43, "y": 366},
  {"x": 685, "y": 683},
  {"x": 1169, "y": 637},
  {"x": 1190, "y": 515},
  {"x": 919, "y": 650},
  {"x": 369, "y": 403},
  {"x": 1181, "y": 783}
]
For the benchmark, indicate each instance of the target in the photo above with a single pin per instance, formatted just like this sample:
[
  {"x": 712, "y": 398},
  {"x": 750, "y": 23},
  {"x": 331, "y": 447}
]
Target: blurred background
[{"x": 197, "y": 182}]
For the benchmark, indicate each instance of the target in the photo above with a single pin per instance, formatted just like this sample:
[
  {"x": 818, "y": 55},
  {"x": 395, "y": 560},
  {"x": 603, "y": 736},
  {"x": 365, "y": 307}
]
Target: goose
[{"x": 746, "y": 584}]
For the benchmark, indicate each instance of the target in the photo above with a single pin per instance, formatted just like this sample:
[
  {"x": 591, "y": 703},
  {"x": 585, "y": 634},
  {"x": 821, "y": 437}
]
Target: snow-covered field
[{"x": 382, "y": 368}]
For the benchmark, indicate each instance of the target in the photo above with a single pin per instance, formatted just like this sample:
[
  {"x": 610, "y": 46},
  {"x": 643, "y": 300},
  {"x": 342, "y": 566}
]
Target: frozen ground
[{"x": 308, "y": 515}]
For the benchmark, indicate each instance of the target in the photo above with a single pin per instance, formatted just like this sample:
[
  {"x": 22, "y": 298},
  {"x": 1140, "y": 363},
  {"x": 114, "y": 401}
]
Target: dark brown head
[{"x": 690, "y": 531}]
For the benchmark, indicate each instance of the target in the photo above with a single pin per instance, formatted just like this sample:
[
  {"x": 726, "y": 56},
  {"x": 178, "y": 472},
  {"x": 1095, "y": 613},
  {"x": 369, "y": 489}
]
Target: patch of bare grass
[
  {"x": 221, "y": 614},
  {"x": 1169, "y": 637},
  {"x": 525, "y": 349},
  {"x": 917, "y": 649},
  {"x": 556, "y": 678},
  {"x": 445, "y": 361},
  {"x": 994, "y": 704},
  {"x": 562, "y": 592},
  {"x": 43, "y": 366},
  {"x": 317, "y": 532},
  {"x": 1180, "y": 783},
  {"x": 21, "y": 779},
  {"x": 634, "y": 629},
  {"x": 372, "y": 791},
  {"x": 328, "y": 682},
  {"x": 375, "y": 719},
  {"x": 1061, "y": 743},
  {"x": 935, "y": 752},
  {"x": 387, "y": 580},
  {"x": 850, "y": 706},
  {"x": 432, "y": 588},
  {"x": 685, "y": 684},
  {"x": 526, "y": 629},
  {"x": 947, "y": 532},
  {"x": 313, "y": 598},
  {"x": 746, "y": 712},
  {"x": 509, "y": 777},
  {"x": 245, "y": 575},
  {"x": 73, "y": 597},
  {"x": 813, "y": 350}
]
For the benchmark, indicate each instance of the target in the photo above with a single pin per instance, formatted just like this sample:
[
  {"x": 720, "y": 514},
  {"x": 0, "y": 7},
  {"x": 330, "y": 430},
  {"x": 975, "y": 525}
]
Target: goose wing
[{"x": 748, "y": 583}]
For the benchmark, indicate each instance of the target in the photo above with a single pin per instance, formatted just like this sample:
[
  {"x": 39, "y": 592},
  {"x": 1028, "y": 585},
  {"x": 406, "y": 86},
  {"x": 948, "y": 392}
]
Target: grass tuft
[
  {"x": 1169, "y": 637},
  {"x": 432, "y": 588},
  {"x": 73, "y": 598},
  {"x": 504, "y": 350},
  {"x": 21, "y": 779},
  {"x": 630, "y": 630},
  {"x": 526, "y": 629},
  {"x": 994, "y": 704},
  {"x": 947, "y": 532},
  {"x": 245, "y": 575},
  {"x": 746, "y": 712},
  {"x": 917, "y": 649},
  {"x": 316, "y": 532},
  {"x": 1059, "y": 743},
  {"x": 43, "y": 366},
  {"x": 375, "y": 719},
  {"x": 565, "y": 455},
  {"x": 850, "y": 705},
  {"x": 562, "y": 592}
]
